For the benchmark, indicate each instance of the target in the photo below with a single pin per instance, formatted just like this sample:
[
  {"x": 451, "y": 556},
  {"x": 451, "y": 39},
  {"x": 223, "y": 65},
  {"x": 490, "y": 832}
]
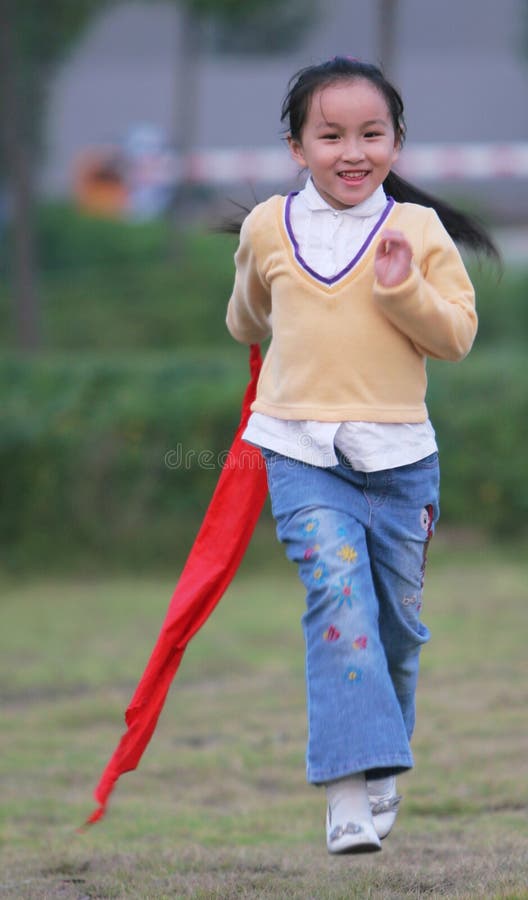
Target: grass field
[{"x": 219, "y": 807}]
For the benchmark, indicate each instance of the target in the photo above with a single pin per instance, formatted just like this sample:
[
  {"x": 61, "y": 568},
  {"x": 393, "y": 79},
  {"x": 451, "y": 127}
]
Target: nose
[{"x": 352, "y": 150}]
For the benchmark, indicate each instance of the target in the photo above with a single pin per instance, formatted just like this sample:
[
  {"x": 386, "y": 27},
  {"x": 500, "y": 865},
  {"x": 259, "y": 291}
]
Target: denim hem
[{"x": 394, "y": 764}]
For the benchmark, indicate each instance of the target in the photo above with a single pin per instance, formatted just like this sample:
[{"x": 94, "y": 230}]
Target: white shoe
[
  {"x": 349, "y": 825},
  {"x": 384, "y": 805},
  {"x": 351, "y": 837}
]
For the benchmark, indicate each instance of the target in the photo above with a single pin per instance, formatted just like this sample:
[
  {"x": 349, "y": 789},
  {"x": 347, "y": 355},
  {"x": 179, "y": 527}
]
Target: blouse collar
[{"x": 372, "y": 206}]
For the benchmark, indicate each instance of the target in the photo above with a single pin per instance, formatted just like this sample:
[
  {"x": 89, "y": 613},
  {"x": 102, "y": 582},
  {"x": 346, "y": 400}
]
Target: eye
[
  {"x": 330, "y": 136},
  {"x": 373, "y": 134}
]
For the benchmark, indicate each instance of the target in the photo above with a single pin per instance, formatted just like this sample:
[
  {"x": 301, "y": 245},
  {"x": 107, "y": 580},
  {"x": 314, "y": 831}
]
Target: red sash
[{"x": 228, "y": 524}]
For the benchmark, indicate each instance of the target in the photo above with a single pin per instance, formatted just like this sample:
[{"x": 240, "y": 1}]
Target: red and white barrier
[
  {"x": 464, "y": 161},
  {"x": 447, "y": 162}
]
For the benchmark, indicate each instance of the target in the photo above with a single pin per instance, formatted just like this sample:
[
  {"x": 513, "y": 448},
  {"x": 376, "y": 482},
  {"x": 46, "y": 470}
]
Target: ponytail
[
  {"x": 463, "y": 228},
  {"x": 233, "y": 225}
]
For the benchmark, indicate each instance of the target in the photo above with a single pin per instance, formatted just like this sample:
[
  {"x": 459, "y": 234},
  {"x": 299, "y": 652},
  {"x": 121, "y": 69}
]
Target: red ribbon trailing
[{"x": 228, "y": 524}]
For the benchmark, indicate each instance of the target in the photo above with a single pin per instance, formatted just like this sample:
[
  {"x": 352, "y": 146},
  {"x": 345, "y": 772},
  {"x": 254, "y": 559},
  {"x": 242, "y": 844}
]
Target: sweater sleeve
[
  {"x": 249, "y": 308},
  {"x": 435, "y": 305}
]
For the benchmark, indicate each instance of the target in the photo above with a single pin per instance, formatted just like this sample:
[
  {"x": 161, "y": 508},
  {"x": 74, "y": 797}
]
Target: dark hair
[
  {"x": 464, "y": 229},
  {"x": 306, "y": 82}
]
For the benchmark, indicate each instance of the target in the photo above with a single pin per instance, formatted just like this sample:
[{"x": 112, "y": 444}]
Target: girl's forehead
[{"x": 348, "y": 97}]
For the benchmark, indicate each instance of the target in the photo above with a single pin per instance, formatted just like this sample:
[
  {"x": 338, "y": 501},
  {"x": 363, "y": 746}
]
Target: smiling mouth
[{"x": 353, "y": 176}]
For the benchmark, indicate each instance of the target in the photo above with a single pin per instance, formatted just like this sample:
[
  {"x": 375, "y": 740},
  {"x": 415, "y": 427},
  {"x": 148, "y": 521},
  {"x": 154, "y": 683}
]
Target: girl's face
[{"x": 347, "y": 142}]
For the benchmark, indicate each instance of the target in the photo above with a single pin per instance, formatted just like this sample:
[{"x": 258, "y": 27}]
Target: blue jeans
[{"x": 360, "y": 542}]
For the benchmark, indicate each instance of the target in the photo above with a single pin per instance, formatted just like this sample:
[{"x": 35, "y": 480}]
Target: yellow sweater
[{"x": 351, "y": 350}]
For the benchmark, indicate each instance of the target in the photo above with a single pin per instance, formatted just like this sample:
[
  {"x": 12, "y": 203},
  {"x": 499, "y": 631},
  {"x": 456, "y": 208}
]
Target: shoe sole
[
  {"x": 354, "y": 849},
  {"x": 353, "y": 840}
]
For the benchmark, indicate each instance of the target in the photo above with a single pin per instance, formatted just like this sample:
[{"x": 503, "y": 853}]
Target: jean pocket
[{"x": 428, "y": 462}]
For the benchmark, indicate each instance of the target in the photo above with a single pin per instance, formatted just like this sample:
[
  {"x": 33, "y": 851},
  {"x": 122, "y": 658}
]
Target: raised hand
[{"x": 393, "y": 258}]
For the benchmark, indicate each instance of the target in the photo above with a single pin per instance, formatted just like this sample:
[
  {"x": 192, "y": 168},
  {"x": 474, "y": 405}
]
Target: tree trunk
[
  {"x": 186, "y": 106},
  {"x": 387, "y": 35},
  {"x": 19, "y": 170}
]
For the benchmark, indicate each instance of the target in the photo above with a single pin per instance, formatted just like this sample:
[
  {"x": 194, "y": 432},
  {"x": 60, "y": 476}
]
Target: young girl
[{"x": 357, "y": 281}]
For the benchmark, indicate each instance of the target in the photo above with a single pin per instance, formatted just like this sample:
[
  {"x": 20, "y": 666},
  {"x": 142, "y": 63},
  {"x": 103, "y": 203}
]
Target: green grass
[{"x": 219, "y": 807}]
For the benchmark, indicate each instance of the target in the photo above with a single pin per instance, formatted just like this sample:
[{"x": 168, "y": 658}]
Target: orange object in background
[{"x": 99, "y": 183}]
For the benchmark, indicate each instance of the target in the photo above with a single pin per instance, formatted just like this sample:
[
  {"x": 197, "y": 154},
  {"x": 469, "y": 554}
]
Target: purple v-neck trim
[{"x": 352, "y": 263}]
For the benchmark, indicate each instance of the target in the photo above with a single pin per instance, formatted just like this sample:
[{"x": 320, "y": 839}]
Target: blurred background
[{"x": 131, "y": 131}]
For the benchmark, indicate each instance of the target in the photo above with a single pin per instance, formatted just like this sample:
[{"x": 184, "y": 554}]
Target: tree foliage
[
  {"x": 35, "y": 37},
  {"x": 33, "y": 41},
  {"x": 265, "y": 29},
  {"x": 45, "y": 33},
  {"x": 243, "y": 27},
  {"x": 40, "y": 37},
  {"x": 228, "y": 9}
]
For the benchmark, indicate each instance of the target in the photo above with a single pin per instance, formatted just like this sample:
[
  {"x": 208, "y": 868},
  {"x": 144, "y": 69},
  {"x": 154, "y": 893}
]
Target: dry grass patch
[{"x": 219, "y": 807}]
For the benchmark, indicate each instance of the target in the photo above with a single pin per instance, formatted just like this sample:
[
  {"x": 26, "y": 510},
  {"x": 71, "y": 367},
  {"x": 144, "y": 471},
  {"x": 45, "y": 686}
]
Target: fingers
[
  {"x": 393, "y": 258},
  {"x": 392, "y": 241},
  {"x": 391, "y": 237},
  {"x": 392, "y": 234}
]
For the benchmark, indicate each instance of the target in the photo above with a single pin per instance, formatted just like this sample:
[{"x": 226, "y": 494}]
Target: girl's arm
[
  {"x": 434, "y": 304},
  {"x": 249, "y": 309}
]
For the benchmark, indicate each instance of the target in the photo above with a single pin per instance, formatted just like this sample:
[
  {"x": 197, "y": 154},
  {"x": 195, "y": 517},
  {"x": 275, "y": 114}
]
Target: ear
[
  {"x": 296, "y": 151},
  {"x": 396, "y": 151}
]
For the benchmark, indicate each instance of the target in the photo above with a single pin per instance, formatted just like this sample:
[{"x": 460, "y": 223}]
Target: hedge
[
  {"x": 110, "y": 286},
  {"x": 115, "y": 286},
  {"x": 137, "y": 364},
  {"x": 480, "y": 412},
  {"x": 115, "y": 458},
  {"x": 99, "y": 456}
]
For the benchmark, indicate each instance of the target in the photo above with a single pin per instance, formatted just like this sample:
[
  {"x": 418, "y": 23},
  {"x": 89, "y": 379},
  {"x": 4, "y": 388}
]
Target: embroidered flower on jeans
[
  {"x": 353, "y": 675},
  {"x": 310, "y": 527},
  {"x": 347, "y": 553},
  {"x": 345, "y": 592},
  {"x": 360, "y": 643},
  {"x": 426, "y": 518},
  {"x": 426, "y": 521},
  {"x": 332, "y": 634},
  {"x": 310, "y": 551},
  {"x": 412, "y": 600},
  {"x": 320, "y": 572}
]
